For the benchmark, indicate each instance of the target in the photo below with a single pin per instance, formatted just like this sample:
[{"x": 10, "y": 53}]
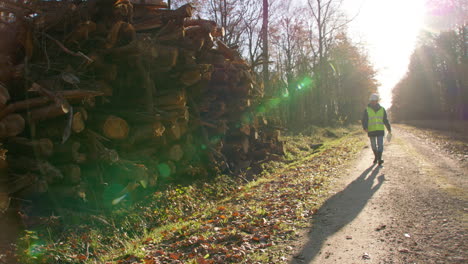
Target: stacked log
[{"x": 120, "y": 92}]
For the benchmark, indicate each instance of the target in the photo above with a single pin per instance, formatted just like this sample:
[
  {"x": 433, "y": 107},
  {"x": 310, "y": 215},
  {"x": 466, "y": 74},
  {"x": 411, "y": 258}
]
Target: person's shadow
[{"x": 338, "y": 211}]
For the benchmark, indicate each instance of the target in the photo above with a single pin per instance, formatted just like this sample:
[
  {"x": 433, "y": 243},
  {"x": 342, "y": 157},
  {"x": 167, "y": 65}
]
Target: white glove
[{"x": 389, "y": 137}]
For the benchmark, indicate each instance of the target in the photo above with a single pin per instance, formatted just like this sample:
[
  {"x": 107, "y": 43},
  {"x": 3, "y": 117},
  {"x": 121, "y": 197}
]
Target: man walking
[{"x": 374, "y": 121}]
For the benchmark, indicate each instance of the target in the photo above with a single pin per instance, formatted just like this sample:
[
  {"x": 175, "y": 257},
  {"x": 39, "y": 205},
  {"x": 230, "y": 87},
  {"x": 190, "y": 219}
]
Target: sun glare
[{"x": 389, "y": 30}]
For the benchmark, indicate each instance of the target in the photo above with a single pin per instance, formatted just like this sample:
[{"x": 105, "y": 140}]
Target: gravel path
[{"x": 412, "y": 210}]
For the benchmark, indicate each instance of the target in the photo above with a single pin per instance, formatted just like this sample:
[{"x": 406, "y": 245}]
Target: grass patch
[{"x": 225, "y": 221}]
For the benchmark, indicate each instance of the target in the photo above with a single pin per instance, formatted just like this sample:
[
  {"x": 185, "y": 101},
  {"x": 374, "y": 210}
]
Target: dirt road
[{"x": 412, "y": 210}]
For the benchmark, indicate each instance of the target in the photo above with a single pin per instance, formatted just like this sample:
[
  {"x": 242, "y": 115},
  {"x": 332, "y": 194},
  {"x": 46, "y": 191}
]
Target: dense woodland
[{"x": 436, "y": 84}]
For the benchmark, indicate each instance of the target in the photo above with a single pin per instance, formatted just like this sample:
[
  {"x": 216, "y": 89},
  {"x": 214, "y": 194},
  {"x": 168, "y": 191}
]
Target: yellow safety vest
[{"x": 375, "y": 119}]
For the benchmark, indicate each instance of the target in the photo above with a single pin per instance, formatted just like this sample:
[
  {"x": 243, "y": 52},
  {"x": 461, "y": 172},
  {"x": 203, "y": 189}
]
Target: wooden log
[
  {"x": 107, "y": 155},
  {"x": 194, "y": 74},
  {"x": 148, "y": 24},
  {"x": 154, "y": 19},
  {"x": 25, "y": 164},
  {"x": 47, "y": 112},
  {"x": 190, "y": 77},
  {"x": 72, "y": 96},
  {"x": 78, "y": 121},
  {"x": 167, "y": 57},
  {"x": 176, "y": 98},
  {"x": 106, "y": 72},
  {"x": 174, "y": 114},
  {"x": 196, "y": 37},
  {"x": 81, "y": 32},
  {"x": 176, "y": 153},
  {"x": 3, "y": 166},
  {"x": 219, "y": 75},
  {"x": 56, "y": 98},
  {"x": 6, "y": 71},
  {"x": 227, "y": 52},
  {"x": 69, "y": 152},
  {"x": 27, "y": 184},
  {"x": 125, "y": 171},
  {"x": 213, "y": 57},
  {"x": 104, "y": 87},
  {"x": 140, "y": 47},
  {"x": 97, "y": 151},
  {"x": 77, "y": 192},
  {"x": 42, "y": 148},
  {"x": 245, "y": 129},
  {"x": 123, "y": 11},
  {"x": 4, "y": 201},
  {"x": 207, "y": 25},
  {"x": 172, "y": 33},
  {"x": 11, "y": 125},
  {"x": 4, "y": 96},
  {"x": 141, "y": 150},
  {"x": 114, "y": 127},
  {"x": 121, "y": 34},
  {"x": 150, "y": 3},
  {"x": 71, "y": 173},
  {"x": 158, "y": 129},
  {"x": 175, "y": 130},
  {"x": 147, "y": 132}
]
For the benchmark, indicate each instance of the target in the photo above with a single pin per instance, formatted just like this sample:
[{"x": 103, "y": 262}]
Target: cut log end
[{"x": 115, "y": 128}]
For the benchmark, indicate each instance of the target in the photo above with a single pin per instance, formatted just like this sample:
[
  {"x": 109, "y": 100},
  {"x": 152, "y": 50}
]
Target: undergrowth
[{"x": 222, "y": 221}]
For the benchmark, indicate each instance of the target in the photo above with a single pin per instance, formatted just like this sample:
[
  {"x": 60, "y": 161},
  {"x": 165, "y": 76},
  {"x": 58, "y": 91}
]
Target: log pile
[{"x": 99, "y": 93}]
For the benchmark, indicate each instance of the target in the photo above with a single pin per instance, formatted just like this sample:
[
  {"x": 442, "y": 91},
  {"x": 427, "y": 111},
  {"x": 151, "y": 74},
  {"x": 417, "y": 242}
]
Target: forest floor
[
  {"x": 327, "y": 205},
  {"x": 412, "y": 210}
]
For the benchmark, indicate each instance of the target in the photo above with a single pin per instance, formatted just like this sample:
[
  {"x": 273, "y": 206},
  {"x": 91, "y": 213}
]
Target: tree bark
[
  {"x": 70, "y": 95},
  {"x": 266, "y": 74}
]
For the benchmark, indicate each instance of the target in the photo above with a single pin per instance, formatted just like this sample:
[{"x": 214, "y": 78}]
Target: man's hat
[{"x": 374, "y": 97}]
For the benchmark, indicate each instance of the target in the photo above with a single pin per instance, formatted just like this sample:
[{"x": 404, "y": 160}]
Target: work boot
[
  {"x": 375, "y": 157},
  {"x": 379, "y": 157}
]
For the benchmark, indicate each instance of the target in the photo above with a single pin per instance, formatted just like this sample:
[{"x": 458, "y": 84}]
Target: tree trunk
[{"x": 266, "y": 74}]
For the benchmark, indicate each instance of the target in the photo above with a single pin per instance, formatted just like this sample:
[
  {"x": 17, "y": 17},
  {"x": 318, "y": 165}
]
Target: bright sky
[{"x": 389, "y": 30}]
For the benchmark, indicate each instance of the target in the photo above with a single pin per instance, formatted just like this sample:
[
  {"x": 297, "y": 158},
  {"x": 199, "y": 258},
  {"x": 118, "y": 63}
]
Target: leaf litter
[{"x": 255, "y": 224}]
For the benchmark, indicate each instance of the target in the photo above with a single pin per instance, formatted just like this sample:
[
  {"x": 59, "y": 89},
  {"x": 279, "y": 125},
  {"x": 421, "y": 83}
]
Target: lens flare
[
  {"x": 164, "y": 170},
  {"x": 35, "y": 250}
]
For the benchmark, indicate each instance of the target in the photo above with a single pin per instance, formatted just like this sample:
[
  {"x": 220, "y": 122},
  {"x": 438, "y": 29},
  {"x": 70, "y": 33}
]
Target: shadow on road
[{"x": 339, "y": 210}]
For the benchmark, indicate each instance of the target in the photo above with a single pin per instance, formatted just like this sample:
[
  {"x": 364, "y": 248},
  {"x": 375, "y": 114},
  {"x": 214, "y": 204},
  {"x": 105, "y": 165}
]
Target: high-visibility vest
[{"x": 375, "y": 119}]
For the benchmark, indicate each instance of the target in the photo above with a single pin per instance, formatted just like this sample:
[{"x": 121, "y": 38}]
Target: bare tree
[{"x": 266, "y": 75}]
